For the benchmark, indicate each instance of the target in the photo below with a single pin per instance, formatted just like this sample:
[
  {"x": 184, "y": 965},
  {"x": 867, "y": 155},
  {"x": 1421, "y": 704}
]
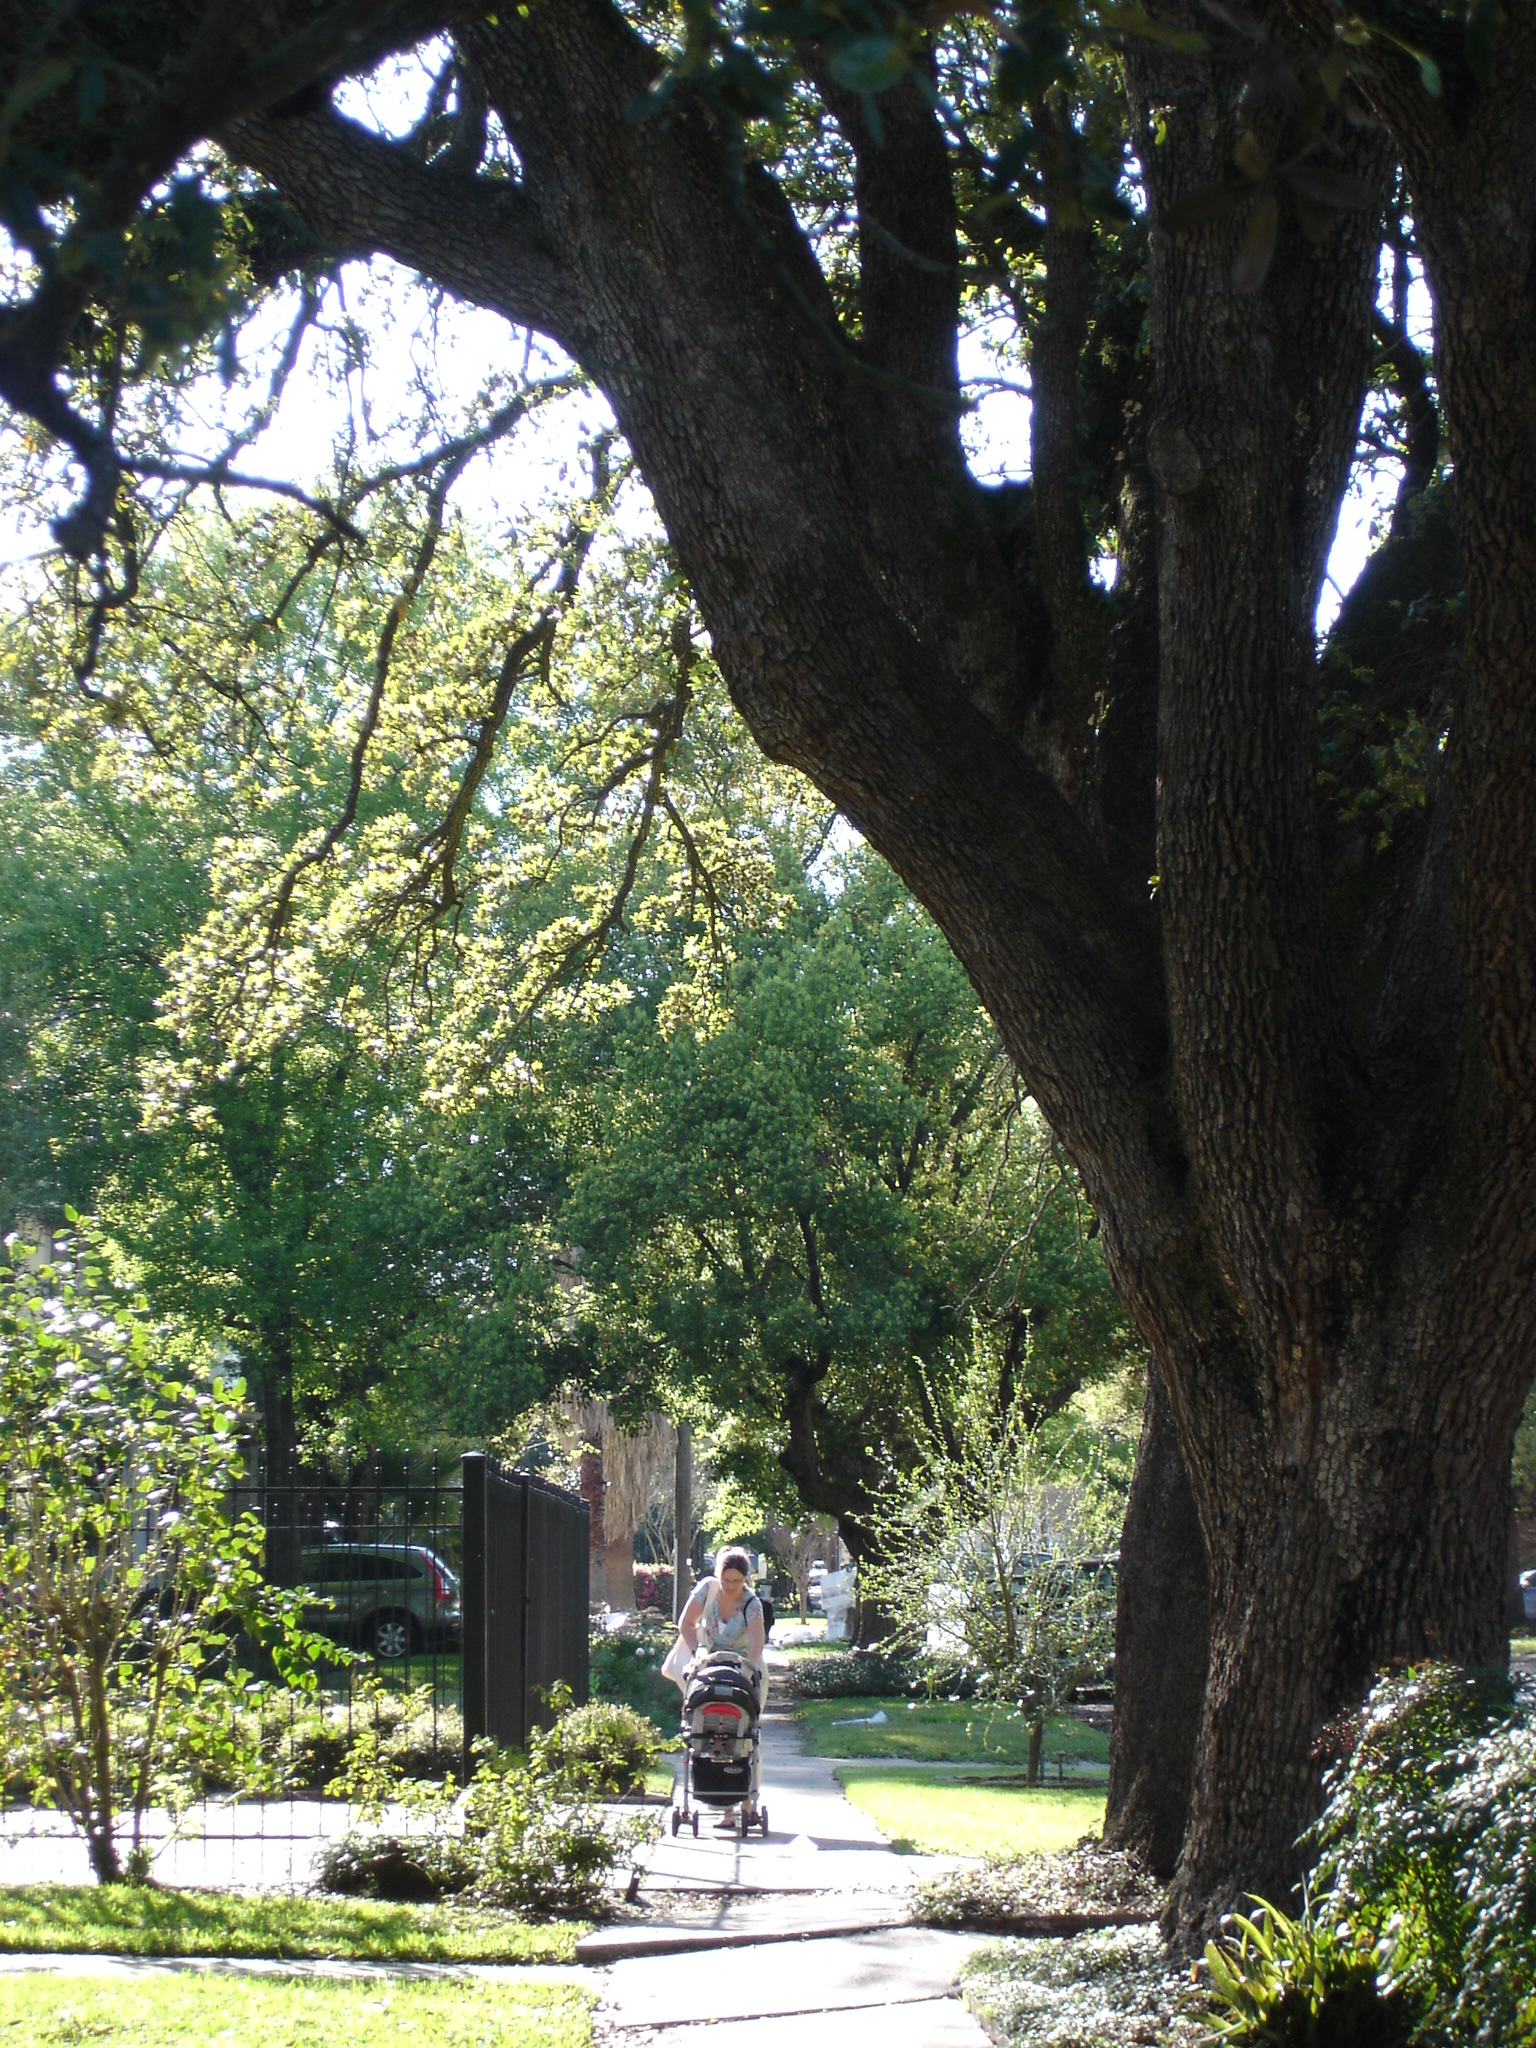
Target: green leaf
[{"x": 869, "y": 63}]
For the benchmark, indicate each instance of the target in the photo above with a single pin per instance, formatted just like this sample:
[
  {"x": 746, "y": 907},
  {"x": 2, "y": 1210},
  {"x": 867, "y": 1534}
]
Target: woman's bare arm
[
  {"x": 755, "y": 1636},
  {"x": 688, "y": 1620}
]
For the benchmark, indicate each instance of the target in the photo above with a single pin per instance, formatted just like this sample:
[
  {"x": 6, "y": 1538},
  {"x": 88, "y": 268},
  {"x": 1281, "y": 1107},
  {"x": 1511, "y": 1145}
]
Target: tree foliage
[
  {"x": 996, "y": 1548},
  {"x": 814, "y": 1219},
  {"x": 123, "y": 1581}
]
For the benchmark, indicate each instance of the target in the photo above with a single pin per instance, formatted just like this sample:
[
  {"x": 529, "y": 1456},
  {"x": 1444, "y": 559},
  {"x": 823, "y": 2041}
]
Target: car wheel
[{"x": 393, "y": 1636}]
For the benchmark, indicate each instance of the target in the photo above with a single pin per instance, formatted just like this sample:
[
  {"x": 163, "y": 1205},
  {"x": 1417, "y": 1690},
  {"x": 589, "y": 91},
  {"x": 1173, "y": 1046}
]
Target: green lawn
[
  {"x": 960, "y": 1732},
  {"x": 237, "y": 2012},
  {"x": 1522, "y": 1646},
  {"x": 922, "y": 1811},
  {"x": 138, "y": 1920}
]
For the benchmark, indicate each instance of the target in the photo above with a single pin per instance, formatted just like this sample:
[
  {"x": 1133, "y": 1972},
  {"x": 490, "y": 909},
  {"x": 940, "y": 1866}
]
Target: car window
[{"x": 372, "y": 1566}]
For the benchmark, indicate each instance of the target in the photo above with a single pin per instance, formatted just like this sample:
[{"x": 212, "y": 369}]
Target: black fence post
[
  {"x": 473, "y": 1605},
  {"x": 527, "y": 1710}
]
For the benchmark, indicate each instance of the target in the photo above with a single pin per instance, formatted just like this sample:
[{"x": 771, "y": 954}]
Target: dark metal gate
[{"x": 524, "y": 1600}]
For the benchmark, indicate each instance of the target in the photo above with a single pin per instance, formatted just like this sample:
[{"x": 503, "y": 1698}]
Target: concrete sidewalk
[
  {"x": 767, "y": 1945},
  {"x": 817, "y": 1841},
  {"x": 894, "y": 1986}
]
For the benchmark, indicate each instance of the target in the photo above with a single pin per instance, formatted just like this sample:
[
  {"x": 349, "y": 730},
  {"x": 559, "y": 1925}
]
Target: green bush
[
  {"x": 600, "y": 1748},
  {"x": 855, "y": 1674},
  {"x": 410, "y": 1868},
  {"x": 1428, "y": 1842},
  {"x": 532, "y": 1838},
  {"x": 1421, "y": 1924},
  {"x": 625, "y": 1666},
  {"x": 539, "y": 1845}
]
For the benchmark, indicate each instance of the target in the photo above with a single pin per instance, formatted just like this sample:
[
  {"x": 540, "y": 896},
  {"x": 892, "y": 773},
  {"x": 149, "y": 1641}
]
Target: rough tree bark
[{"x": 1324, "y": 1230}]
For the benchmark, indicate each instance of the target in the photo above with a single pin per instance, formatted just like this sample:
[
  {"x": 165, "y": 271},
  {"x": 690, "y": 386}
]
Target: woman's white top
[{"x": 729, "y": 1631}]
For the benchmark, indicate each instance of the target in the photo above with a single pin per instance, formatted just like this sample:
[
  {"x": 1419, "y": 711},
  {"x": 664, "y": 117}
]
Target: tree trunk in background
[
  {"x": 682, "y": 1520},
  {"x": 280, "y": 1476},
  {"x": 1162, "y": 1643},
  {"x": 591, "y": 1488},
  {"x": 619, "y": 1574}
]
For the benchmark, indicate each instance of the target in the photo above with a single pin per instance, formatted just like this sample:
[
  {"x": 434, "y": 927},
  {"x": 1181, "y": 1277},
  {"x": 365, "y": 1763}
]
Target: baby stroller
[{"x": 722, "y": 1748}]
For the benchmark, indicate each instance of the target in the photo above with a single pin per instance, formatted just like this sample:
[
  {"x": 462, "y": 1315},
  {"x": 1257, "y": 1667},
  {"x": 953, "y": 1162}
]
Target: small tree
[
  {"x": 797, "y": 1549},
  {"x": 123, "y": 1578},
  {"x": 993, "y": 1549}
]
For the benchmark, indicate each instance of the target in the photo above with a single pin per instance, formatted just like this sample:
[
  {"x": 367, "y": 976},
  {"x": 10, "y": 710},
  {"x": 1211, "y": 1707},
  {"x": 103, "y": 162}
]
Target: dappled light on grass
[
  {"x": 921, "y": 1811},
  {"x": 943, "y": 1731},
  {"x": 140, "y": 1920},
  {"x": 175, "y": 2012}
]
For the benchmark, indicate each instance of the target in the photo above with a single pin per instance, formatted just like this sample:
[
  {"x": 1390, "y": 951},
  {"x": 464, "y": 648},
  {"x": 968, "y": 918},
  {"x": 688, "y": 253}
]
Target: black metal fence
[
  {"x": 455, "y": 1598},
  {"x": 525, "y": 1600}
]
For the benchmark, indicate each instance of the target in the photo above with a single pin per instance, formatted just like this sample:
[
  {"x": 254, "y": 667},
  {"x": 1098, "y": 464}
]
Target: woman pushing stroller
[
  {"x": 723, "y": 1618},
  {"x": 724, "y": 1613}
]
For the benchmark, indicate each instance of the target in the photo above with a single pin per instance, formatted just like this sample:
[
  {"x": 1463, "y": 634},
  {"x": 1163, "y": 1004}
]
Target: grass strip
[
  {"x": 178, "y": 2012},
  {"x": 142, "y": 1920},
  {"x": 942, "y": 1731},
  {"x": 936, "y": 1817}
]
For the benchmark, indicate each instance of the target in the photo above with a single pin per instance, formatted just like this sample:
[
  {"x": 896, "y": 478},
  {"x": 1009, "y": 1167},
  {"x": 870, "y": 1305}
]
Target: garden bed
[{"x": 1116, "y": 1987}]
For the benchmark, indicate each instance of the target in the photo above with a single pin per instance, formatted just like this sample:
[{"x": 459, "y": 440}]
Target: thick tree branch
[
  {"x": 909, "y": 266},
  {"x": 361, "y": 196},
  {"x": 211, "y": 80}
]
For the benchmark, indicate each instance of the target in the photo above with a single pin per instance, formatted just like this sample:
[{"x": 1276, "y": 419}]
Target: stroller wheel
[
  {"x": 677, "y": 1820},
  {"x": 762, "y": 1821},
  {"x": 695, "y": 1827},
  {"x": 745, "y": 1823}
]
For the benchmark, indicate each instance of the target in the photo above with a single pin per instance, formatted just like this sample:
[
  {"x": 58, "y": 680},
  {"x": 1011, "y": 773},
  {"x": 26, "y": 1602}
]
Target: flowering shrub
[{"x": 653, "y": 1586}]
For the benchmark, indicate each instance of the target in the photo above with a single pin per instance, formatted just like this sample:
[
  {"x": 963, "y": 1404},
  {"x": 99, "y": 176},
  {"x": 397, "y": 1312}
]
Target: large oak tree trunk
[
  {"x": 1325, "y": 1234},
  {"x": 1162, "y": 1637}
]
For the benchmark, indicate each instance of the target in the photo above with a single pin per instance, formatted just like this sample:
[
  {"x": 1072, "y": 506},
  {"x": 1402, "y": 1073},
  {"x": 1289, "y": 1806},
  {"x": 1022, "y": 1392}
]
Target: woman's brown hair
[{"x": 734, "y": 1560}]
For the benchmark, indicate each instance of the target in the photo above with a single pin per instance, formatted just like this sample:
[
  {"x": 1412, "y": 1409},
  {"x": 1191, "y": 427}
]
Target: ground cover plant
[
  {"x": 146, "y": 1920},
  {"x": 1027, "y": 1894},
  {"x": 927, "y": 1812},
  {"x": 1115, "y": 1987},
  {"x": 944, "y": 1731},
  {"x": 152, "y": 2012}
]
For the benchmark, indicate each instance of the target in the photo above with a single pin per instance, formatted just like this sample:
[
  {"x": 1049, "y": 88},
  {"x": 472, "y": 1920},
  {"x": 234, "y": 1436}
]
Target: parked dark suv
[{"x": 395, "y": 1599}]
